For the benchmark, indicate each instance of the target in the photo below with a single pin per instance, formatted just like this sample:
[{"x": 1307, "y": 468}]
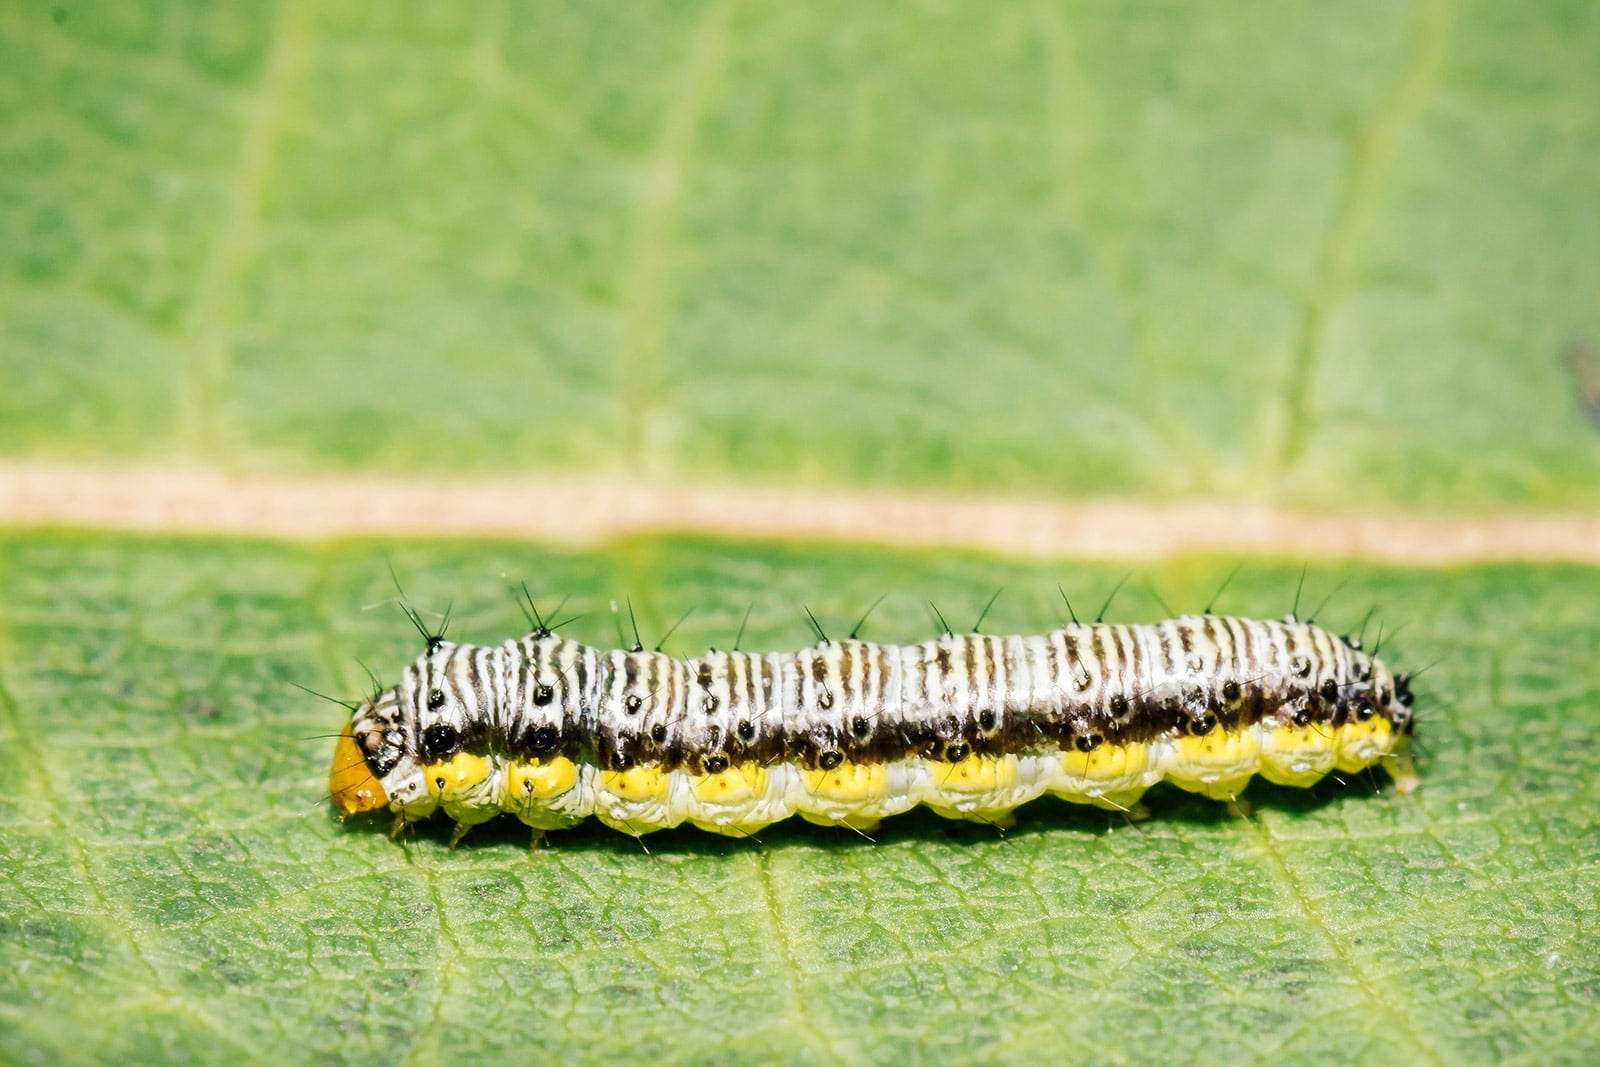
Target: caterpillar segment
[{"x": 849, "y": 733}]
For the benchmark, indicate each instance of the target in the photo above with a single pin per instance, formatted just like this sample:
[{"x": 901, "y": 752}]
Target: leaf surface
[{"x": 172, "y": 883}]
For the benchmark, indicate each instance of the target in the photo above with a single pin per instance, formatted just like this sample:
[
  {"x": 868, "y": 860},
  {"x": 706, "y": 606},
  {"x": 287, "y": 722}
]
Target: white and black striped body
[{"x": 851, "y": 731}]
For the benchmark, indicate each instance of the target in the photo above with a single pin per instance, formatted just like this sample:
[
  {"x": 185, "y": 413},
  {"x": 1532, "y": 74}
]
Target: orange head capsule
[{"x": 351, "y": 782}]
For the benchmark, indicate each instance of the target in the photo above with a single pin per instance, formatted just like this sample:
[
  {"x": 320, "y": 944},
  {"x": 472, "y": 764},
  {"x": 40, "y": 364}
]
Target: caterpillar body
[{"x": 849, "y": 732}]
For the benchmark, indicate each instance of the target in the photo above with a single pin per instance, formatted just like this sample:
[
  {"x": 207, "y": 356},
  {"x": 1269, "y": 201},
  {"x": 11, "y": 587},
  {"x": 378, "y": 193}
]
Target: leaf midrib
[{"x": 595, "y": 511}]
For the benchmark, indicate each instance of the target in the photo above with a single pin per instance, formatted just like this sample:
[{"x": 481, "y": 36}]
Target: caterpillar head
[
  {"x": 379, "y": 758},
  {"x": 369, "y": 751}
]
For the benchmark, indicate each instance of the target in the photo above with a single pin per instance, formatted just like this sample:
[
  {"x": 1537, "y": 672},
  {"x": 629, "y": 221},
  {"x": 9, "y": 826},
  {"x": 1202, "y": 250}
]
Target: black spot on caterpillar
[{"x": 848, "y": 732}]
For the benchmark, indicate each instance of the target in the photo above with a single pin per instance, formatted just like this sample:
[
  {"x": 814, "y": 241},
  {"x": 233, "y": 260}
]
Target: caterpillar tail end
[
  {"x": 1403, "y": 770},
  {"x": 351, "y": 783}
]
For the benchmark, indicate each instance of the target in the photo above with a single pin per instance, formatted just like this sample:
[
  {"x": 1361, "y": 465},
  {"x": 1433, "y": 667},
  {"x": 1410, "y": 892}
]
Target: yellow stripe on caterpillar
[
  {"x": 465, "y": 787},
  {"x": 849, "y": 783},
  {"x": 736, "y": 785},
  {"x": 637, "y": 783},
  {"x": 539, "y": 779},
  {"x": 1219, "y": 763},
  {"x": 1298, "y": 755},
  {"x": 1362, "y": 743},
  {"x": 1107, "y": 763},
  {"x": 458, "y": 775},
  {"x": 975, "y": 774}
]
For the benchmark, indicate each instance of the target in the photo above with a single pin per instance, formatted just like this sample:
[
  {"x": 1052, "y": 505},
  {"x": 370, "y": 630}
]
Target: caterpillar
[{"x": 848, "y": 732}]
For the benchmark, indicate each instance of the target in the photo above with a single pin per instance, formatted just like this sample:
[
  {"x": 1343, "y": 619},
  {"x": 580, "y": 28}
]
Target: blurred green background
[{"x": 1331, "y": 256}]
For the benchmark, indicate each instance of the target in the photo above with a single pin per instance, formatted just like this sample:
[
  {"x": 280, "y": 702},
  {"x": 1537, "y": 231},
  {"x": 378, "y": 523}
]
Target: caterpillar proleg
[{"x": 849, "y": 732}]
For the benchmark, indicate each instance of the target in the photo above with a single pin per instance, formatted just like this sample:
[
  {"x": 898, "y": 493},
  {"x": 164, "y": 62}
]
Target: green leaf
[
  {"x": 1318, "y": 254},
  {"x": 1326, "y": 256},
  {"x": 174, "y": 886}
]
